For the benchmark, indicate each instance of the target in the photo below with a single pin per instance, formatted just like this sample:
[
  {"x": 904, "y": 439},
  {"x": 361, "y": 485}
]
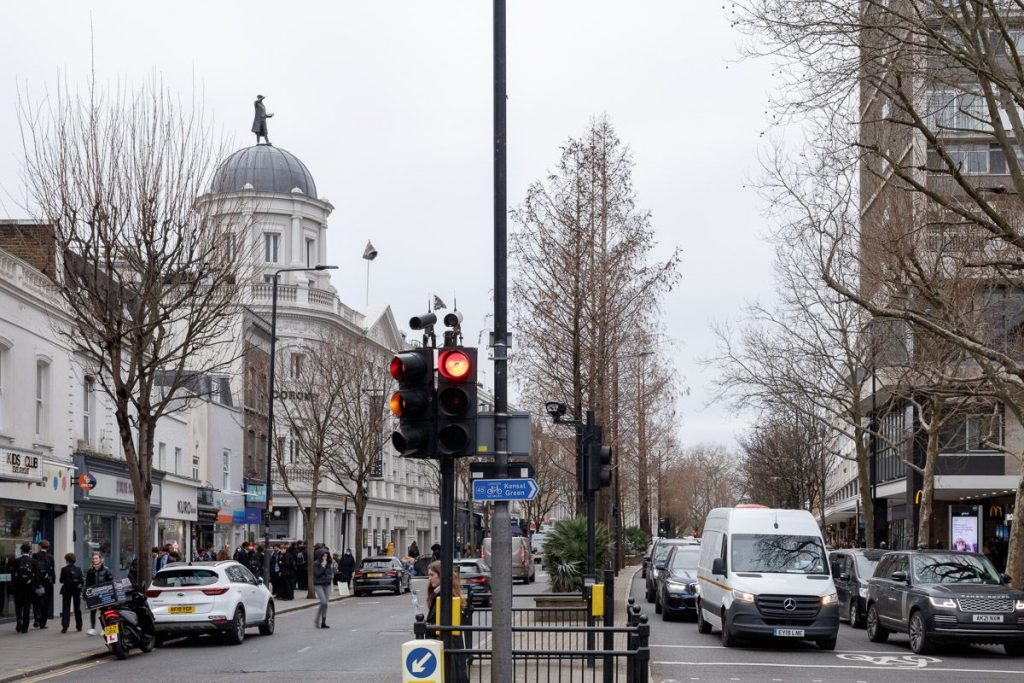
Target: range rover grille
[{"x": 1003, "y": 604}]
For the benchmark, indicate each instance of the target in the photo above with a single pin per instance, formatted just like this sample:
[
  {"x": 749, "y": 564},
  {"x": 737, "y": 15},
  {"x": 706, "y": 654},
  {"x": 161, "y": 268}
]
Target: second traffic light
[
  {"x": 413, "y": 403},
  {"x": 598, "y": 471},
  {"x": 456, "y": 401}
]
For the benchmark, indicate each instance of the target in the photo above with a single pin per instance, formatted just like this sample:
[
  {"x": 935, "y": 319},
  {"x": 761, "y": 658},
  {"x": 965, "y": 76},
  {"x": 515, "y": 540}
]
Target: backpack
[
  {"x": 77, "y": 578},
  {"x": 24, "y": 573}
]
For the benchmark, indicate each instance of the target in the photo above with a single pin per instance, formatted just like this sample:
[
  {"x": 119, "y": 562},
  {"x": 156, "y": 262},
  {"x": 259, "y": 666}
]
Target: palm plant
[{"x": 565, "y": 553}]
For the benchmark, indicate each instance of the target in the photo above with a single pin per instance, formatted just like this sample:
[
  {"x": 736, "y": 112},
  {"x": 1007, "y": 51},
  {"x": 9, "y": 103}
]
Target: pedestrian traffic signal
[
  {"x": 456, "y": 401},
  {"x": 599, "y": 460},
  {"x": 413, "y": 403}
]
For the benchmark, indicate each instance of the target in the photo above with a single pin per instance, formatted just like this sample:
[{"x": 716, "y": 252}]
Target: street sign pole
[{"x": 447, "y": 542}]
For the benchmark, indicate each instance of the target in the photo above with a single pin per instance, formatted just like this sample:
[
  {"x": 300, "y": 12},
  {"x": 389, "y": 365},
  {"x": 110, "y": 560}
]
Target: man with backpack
[
  {"x": 71, "y": 581},
  {"x": 24, "y": 581},
  {"x": 46, "y": 571}
]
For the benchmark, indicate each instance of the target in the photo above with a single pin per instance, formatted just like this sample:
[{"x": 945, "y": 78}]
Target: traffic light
[
  {"x": 456, "y": 401},
  {"x": 413, "y": 403},
  {"x": 663, "y": 524},
  {"x": 599, "y": 460}
]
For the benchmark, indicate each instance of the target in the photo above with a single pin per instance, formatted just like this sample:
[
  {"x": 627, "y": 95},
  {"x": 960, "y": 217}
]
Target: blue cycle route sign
[
  {"x": 505, "y": 489},
  {"x": 421, "y": 663}
]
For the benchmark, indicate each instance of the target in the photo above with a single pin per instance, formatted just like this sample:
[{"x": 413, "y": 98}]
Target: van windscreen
[{"x": 778, "y": 554}]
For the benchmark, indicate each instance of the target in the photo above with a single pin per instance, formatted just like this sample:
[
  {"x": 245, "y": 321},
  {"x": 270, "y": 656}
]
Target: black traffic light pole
[{"x": 589, "y": 439}]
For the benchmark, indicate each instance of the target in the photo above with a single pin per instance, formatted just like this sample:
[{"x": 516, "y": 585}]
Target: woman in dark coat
[
  {"x": 98, "y": 573},
  {"x": 346, "y": 566}
]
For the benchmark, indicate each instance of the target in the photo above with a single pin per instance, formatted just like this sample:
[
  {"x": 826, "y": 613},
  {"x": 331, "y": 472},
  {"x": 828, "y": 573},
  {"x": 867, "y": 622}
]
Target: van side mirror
[
  {"x": 901, "y": 577},
  {"x": 718, "y": 567}
]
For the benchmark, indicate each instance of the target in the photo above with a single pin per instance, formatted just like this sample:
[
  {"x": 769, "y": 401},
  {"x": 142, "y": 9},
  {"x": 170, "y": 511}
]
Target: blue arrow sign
[
  {"x": 421, "y": 663},
  {"x": 505, "y": 489}
]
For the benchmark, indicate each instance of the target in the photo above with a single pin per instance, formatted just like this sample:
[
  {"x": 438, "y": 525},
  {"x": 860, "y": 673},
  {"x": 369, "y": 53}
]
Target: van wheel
[
  {"x": 827, "y": 643},
  {"x": 702, "y": 626},
  {"x": 856, "y": 618},
  {"x": 728, "y": 639},
  {"x": 876, "y": 632}
]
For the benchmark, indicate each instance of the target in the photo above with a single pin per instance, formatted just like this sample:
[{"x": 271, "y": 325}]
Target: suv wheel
[
  {"x": 876, "y": 632},
  {"x": 236, "y": 634},
  {"x": 267, "y": 627},
  {"x": 657, "y": 604},
  {"x": 918, "y": 631}
]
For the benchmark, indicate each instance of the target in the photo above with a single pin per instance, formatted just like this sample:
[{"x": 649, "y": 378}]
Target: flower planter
[{"x": 558, "y": 605}]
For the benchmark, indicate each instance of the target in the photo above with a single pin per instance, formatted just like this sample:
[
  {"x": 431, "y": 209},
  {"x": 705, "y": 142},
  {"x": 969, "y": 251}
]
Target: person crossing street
[{"x": 322, "y": 577}]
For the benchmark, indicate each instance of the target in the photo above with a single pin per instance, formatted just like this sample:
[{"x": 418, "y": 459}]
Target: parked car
[
  {"x": 475, "y": 577},
  {"x": 677, "y": 582},
  {"x": 523, "y": 567},
  {"x": 209, "y": 597},
  {"x": 658, "y": 555},
  {"x": 851, "y": 570},
  {"x": 647, "y": 557},
  {"x": 764, "y": 572},
  {"x": 380, "y": 574},
  {"x": 938, "y": 596}
]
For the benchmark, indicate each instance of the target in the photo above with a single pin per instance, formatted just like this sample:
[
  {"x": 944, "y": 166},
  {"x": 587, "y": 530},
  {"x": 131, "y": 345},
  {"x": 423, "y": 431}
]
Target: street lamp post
[{"x": 270, "y": 406}]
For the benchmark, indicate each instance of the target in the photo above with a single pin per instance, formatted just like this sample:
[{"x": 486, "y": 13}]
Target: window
[
  {"x": 957, "y": 111},
  {"x": 297, "y": 364},
  {"x": 295, "y": 448},
  {"x": 161, "y": 458},
  {"x": 87, "y": 410},
  {"x": 271, "y": 247},
  {"x": 268, "y": 279},
  {"x": 226, "y": 482},
  {"x": 973, "y": 432},
  {"x": 42, "y": 397},
  {"x": 310, "y": 253},
  {"x": 195, "y": 467},
  {"x": 4, "y": 353},
  {"x": 177, "y": 461}
]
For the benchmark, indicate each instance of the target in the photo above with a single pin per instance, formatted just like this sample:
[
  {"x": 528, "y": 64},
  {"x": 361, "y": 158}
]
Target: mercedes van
[{"x": 764, "y": 573}]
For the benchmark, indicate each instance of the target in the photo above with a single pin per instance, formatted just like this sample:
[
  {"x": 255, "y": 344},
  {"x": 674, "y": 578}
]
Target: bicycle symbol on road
[{"x": 897, "y": 662}]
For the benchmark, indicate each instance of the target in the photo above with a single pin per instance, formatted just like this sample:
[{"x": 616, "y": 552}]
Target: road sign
[
  {"x": 421, "y": 661},
  {"x": 505, "y": 489}
]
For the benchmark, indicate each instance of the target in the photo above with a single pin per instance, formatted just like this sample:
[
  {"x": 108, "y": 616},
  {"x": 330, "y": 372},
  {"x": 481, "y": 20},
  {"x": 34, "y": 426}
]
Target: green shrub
[
  {"x": 565, "y": 553},
  {"x": 636, "y": 541}
]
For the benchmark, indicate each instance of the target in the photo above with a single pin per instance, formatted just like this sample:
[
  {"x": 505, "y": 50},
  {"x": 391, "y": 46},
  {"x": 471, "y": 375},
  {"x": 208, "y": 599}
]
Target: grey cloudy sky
[{"x": 389, "y": 105}]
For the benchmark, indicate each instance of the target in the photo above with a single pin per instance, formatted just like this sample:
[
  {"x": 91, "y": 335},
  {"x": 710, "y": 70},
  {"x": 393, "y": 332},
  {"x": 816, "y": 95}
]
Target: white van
[
  {"x": 764, "y": 572},
  {"x": 522, "y": 558}
]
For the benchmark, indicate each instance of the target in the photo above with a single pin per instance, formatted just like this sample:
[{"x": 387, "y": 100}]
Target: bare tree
[
  {"x": 150, "y": 284},
  {"x": 703, "y": 478}
]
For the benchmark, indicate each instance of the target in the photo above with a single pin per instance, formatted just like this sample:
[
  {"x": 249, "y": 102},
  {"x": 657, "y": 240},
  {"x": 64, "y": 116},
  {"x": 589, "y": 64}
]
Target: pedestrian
[
  {"x": 173, "y": 556},
  {"x": 435, "y": 553},
  {"x": 322, "y": 576},
  {"x": 288, "y": 572},
  {"x": 275, "y": 570},
  {"x": 301, "y": 578},
  {"x": 24, "y": 579},
  {"x": 223, "y": 553},
  {"x": 414, "y": 551},
  {"x": 459, "y": 664},
  {"x": 97, "y": 574},
  {"x": 346, "y": 567},
  {"x": 47, "y": 576},
  {"x": 211, "y": 553},
  {"x": 256, "y": 558},
  {"x": 159, "y": 558},
  {"x": 71, "y": 581}
]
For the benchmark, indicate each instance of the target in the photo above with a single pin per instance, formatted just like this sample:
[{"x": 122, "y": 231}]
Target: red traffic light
[
  {"x": 454, "y": 364},
  {"x": 411, "y": 364}
]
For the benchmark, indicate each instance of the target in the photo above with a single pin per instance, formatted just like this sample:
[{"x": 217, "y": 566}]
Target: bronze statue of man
[{"x": 259, "y": 123}]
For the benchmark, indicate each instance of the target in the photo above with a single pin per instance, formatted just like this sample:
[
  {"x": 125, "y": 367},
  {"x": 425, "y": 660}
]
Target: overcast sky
[{"x": 389, "y": 105}]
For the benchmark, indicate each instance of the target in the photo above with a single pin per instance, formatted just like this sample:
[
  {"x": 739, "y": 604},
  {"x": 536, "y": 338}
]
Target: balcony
[{"x": 310, "y": 297}]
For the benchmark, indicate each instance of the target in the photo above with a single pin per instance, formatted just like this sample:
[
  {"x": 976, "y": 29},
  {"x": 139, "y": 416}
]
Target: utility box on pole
[{"x": 519, "y": 433}]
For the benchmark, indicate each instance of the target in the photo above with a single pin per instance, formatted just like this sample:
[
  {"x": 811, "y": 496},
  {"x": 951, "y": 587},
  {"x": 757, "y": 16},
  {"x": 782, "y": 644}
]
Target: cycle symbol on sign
[
  {"x": 494, "y": 490},
  {"x": 896, "y": 662}
]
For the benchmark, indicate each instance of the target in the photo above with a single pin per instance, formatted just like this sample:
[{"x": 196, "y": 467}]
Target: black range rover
[{"x": 941, "y": 596}]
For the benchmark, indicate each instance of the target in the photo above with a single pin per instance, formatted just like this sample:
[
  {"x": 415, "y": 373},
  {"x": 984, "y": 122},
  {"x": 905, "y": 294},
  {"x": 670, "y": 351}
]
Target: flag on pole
[
  {"x": 438, "y": 303},
  {"x": 369, "y": 253}
]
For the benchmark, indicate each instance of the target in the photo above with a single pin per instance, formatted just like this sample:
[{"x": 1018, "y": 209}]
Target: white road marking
[
  {"x": 837, "y": 666},
  {"x": 305, "y": 649}
]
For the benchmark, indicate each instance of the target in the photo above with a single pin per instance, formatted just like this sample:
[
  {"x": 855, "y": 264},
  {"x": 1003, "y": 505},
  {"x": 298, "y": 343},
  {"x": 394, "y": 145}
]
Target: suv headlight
[
  {"x": 1019, "y": 604},
  {"x": 830, "y": 599},
  {"x": 943, "y": 602},
  {"x": 742, "y": 596}
]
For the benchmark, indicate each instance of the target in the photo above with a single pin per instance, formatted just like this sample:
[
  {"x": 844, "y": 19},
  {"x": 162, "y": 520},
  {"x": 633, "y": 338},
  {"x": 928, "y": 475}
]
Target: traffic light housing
[
  {"x": 456, "y": 401},
  {"x": 413, "y": 404},
  {"x": 599, "y": 460},
  {"x": 663, "y": 524}
]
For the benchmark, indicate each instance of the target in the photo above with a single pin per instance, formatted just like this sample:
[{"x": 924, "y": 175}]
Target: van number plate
[
  {"x": 789, "y": 632},
  {"x": 988, "y": 618}
]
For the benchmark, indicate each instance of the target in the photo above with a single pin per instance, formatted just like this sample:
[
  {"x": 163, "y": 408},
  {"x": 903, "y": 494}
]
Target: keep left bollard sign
[{"x": 422, "y": 661}]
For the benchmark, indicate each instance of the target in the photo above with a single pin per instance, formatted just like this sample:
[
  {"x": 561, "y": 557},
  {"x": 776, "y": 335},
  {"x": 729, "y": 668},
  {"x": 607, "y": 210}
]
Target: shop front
[
  {"x": 34, "y": 496},
  {"x": 255, "y": 504},
  {"x": 105, "y": 514},
  {"x": 228, "y": 528},
  {"x": 178, "y": 511}
]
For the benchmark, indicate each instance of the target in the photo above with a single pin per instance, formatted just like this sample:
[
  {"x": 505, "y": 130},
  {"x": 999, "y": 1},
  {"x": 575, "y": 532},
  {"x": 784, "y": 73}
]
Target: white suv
[{"x": 209, "y": 597}]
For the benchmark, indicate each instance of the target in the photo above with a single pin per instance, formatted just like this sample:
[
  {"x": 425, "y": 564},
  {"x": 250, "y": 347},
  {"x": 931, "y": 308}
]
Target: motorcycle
[{"x": 128, "y": 624}]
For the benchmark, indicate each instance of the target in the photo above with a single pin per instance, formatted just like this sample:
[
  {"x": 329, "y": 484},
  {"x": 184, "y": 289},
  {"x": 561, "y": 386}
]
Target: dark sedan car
[
  {"x": 851, "y": 570},
  {"x": 944, "y": 597},
  {"x": 657, "y": 563},
  {"x": 475, "y": 577},
  {"x": 380, "y": 574},
  {"x": 677, "y": 583}
]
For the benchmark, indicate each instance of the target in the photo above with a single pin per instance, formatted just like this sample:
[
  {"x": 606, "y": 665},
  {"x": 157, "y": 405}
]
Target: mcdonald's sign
[
  {"x": 995, "y": 510},
  {"x": 917, "y": 497}
]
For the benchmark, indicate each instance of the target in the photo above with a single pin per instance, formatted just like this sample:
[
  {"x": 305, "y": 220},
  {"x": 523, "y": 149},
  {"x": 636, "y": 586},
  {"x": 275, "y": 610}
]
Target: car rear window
[
  {"x": 183, "y": 578},
  {"x": 377, "y": 564},
  {"x": 470, "y": 566}
]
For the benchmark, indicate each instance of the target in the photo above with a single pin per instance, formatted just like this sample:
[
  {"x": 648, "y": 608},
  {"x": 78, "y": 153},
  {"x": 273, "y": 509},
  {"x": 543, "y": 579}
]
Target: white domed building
[{"x": 282, "y": 222}]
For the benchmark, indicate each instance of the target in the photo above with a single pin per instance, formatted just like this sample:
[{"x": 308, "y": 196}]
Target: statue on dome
[{"x": 259, "y": 123}]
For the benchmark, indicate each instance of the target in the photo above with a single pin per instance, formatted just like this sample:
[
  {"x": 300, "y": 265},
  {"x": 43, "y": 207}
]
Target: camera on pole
[{"x": 414, "y": 403}]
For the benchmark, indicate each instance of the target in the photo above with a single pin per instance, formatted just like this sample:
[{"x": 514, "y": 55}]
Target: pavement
[
  {"x": 41, "y": 651},
  {"x": 679, "y": 654}
]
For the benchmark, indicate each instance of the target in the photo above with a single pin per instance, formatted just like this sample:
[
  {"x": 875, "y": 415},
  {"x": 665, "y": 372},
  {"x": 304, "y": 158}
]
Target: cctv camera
[
  {"x": 453, "y": 319},
  {"x": 421, "y": 322},
  {"x": 555, "y": 409}
]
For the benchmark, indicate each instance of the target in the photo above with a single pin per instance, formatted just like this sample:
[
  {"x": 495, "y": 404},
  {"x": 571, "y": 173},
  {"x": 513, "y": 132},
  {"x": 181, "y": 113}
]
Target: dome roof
[{"x": 263, "y": 168}]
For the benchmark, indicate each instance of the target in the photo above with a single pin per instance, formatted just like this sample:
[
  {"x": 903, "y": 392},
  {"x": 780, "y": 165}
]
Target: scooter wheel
[{"x": 120, "y": 651}]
